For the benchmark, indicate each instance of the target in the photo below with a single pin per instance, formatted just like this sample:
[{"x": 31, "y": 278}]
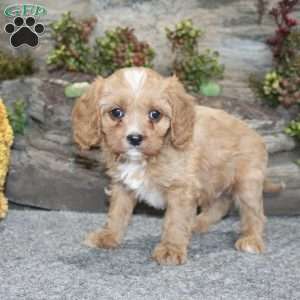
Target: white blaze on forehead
[{"x": 136, "y": 79}]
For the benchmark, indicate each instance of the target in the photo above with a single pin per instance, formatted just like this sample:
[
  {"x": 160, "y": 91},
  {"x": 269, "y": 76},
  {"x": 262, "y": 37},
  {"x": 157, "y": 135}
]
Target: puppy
[{"x": 159, "y": 147}]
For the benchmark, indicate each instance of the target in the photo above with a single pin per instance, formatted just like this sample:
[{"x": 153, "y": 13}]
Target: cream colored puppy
[{"x": 160, "y": 147}]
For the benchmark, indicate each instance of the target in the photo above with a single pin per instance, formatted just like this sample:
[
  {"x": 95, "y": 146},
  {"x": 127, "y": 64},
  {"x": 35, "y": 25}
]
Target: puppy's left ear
[
  {"x": 183, "y": 113},
  {"x": 86, "y": 116}
]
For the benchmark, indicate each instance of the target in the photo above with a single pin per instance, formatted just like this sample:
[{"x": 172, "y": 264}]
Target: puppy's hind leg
[
  {"x": 249, "y": 197},
  {"x": 120, "y": 211},
  {"x": 212, "y": 213}
]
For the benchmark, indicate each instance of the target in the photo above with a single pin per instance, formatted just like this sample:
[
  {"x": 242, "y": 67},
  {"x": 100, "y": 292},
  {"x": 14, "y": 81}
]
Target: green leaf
[
  {"x": 210, "y": 89},
  {"x": 17, "y": 117},
  {"x": 76, "y": 89}
]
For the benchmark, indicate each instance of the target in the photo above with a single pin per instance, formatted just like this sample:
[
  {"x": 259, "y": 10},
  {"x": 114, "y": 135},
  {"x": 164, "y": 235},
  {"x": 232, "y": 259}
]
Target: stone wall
[
  {"x": 231, "y": 27},
  {"x": 47, "y": 170}
]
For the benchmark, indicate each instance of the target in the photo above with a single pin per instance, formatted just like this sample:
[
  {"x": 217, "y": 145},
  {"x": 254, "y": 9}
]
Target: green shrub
[
  {"x": 12, "y": 66},
  {"x": 289, "y": 91},
  {"x": 194, "y": 69},
  {"x": 184, "y": 37},
  {"x": 289, "y": 65},
  {"x": 17, "y": 117},
  {"x": 120, "y": 48},
  {"x": 71, "y": 50},
  {"x": 281, "y": 85},
  {"x": 293, "y": 129},
  {"x": 270, "y": 88},
  {"x": 197, "y": 70},
  {"x": 276, "y": 89}
]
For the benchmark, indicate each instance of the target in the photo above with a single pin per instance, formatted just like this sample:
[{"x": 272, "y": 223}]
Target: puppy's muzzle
[{"x": 135, "y": 139}]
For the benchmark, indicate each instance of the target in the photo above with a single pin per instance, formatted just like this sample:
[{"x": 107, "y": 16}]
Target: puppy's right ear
[
  {"x": 183, "y": 113},
  {"x": 86, "y": 116}
]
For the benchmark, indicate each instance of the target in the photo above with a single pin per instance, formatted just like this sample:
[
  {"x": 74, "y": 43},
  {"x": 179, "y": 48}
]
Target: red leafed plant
[
  {"x": 285, "y": 23},
  {"x": 121, "y": 48}
]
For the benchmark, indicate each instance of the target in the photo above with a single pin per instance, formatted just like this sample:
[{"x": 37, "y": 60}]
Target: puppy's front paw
[
  {"x": 250, "y": 244},
  {"x": 103, "y": 239},
  {"x": 169, "y": 254}
]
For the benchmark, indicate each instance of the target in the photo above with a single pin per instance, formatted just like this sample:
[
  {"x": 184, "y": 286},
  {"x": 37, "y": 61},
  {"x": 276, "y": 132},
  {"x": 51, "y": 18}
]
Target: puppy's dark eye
[
  {"x": 117, "y": 113},
  {"x": 154, "y": 115}
]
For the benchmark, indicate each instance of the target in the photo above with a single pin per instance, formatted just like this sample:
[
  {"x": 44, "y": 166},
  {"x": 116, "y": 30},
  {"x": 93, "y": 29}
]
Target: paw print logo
[{"x": 24, "y": 33}]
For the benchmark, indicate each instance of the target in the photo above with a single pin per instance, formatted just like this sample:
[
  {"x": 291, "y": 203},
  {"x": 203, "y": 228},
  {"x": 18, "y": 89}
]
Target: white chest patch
[
  {"x": 133, "y": 175},
  {"x": 136, "y": 79}
]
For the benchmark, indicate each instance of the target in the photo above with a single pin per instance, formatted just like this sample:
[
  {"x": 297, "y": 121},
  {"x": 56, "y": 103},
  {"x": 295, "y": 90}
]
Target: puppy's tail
[{"x": 272, "y": 187}]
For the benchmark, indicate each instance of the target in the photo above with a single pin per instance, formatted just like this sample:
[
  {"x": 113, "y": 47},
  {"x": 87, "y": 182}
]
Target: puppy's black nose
[{"x": 134, "y": 139}]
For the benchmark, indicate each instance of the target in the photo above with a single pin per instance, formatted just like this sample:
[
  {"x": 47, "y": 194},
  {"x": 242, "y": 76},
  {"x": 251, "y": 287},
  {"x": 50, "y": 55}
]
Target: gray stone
[
  {"x": 27, "y": 90},
  {"x": 274, "y": 136},
  {"x": 279, "y": 142},
  {"x": 45, "y": 160},
  {"x": 63, "y": 183},
  {"x": 284, "y": 169}
]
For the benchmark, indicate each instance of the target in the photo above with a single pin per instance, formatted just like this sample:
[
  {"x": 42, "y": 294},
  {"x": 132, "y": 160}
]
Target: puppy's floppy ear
[
  {"x": 183, "y": 113},
  {"x": 86, "y": 116}
]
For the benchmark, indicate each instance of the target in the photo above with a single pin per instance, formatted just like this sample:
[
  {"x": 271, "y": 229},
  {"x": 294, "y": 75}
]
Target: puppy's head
[{"x": 135, "y": 112}]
